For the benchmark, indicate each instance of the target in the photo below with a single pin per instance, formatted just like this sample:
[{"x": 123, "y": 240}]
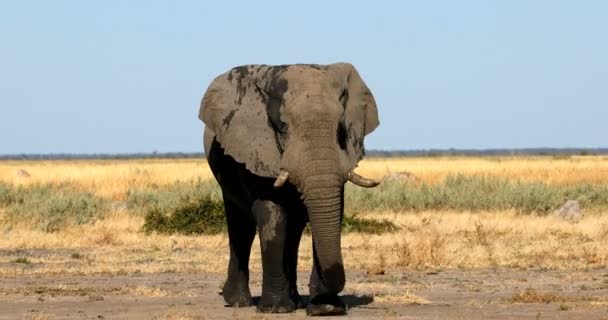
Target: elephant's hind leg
[
  {"x": 271, "y": 222},
  {"x": 241, "y": 231}
]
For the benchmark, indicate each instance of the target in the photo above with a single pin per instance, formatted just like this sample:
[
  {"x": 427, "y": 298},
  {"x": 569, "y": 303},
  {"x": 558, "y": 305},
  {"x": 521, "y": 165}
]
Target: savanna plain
[{"x": 440, "y": 238}]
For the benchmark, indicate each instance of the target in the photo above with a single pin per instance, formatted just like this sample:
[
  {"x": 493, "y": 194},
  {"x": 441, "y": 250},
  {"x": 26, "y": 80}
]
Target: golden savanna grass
[
  {"x": 113, "y": 178},
  {"x": 106, "y": 178},
  {"x": 437, "y": 239},
  {"x": 567, "y": 170},
  {"x": 428, "y": 239}
]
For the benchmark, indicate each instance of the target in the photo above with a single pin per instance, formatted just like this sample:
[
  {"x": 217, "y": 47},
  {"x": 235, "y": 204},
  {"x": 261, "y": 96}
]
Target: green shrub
[
  {"x": 191, "y": 216},
  {"x": 22, "y": 260}
]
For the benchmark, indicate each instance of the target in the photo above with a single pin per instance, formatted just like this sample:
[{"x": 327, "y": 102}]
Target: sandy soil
[{"x": 396, "y": 294}]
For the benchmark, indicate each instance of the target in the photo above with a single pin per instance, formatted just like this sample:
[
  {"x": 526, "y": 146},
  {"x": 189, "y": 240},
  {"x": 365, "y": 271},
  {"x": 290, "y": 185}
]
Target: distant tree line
[
  {"x": 489, "y": 152},
  {"x": 102, "y": 156},
  {"x": 370, "y": 153}
]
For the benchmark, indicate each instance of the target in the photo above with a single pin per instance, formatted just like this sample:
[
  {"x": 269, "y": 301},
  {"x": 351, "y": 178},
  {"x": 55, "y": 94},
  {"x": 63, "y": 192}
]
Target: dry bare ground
[
  {"x": 441, "y": 264},
  {"x": 396, "y": 294}
]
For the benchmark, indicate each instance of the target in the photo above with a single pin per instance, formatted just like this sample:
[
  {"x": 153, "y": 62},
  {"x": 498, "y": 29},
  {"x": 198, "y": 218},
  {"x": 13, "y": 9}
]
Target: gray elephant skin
[{"x": 282, "y": 141}]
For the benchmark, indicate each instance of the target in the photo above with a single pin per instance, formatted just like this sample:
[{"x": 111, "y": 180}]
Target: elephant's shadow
[{"x": 351, "y": 300}]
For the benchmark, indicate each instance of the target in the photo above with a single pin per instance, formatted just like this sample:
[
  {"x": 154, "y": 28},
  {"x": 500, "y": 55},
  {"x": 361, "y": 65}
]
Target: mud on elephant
[{"x": 282, "y": 141}]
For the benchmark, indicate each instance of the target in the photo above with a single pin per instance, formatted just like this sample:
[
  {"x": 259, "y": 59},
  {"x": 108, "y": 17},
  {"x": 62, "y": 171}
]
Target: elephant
[{"x": 281, "y": 142}]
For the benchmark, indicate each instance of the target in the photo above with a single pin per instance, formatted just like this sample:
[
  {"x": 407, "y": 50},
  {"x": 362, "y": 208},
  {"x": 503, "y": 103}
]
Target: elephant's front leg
[
  {"x": 322, "y": 303},
  {"x": 271, "y": 221}
]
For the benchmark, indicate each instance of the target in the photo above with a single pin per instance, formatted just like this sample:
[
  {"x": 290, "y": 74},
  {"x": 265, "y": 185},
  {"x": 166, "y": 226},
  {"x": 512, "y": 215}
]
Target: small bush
[
  {"x": 77, "y": 255},
  {"x": 22, "y": 260},
  {"x": 191, "y": 216},
  {"x": 367, "y": 225}
]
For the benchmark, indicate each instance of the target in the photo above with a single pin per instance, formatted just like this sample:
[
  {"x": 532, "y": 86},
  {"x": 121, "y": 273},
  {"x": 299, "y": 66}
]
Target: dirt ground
[{"x": 396, "y": 294}]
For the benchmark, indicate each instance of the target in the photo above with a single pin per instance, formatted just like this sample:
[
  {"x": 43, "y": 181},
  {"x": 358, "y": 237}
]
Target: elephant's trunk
[
  {"x": 325, "y": 214},
  {"x": 322, "y": 185}
]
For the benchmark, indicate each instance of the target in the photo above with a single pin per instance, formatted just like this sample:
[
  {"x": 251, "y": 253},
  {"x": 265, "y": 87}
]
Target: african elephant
[{"x": 282, "y": 141}]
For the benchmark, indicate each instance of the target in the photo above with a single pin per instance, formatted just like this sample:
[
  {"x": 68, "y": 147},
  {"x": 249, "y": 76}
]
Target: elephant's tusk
[
  {"x": 281, "y": 179},
  {"x": 361, "y": 181}
]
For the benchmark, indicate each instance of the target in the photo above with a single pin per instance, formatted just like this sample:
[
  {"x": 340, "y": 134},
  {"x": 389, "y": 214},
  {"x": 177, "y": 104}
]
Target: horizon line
[{"x": 370, "y": 153}]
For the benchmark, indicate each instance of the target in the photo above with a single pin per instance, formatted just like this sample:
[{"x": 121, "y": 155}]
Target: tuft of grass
[
  {"x": 427, "y": 249},
  {"x": 50, "y": 207},
  {"x": 474, "y": 193},
  {"x": 403, "y": 298},
  {"x": 367, "y": 225},
  {"x": 22, "y": 260},
  {"x": 199, "y": 215},
  {"x": 532, "y": 296},
  {"x": 77, "y": 255}
]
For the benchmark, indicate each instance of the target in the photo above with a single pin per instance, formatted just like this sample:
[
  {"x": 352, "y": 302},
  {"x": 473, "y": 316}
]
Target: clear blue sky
[{"x": 128, "y": 76}]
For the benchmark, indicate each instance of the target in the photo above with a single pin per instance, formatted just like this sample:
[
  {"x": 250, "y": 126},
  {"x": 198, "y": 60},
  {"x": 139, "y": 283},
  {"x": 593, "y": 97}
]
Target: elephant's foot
[
  {"x": 236, "y": 295},
  {"x": 297, "y": 300},
  {"x": 326, "y": 306},
  {"x": 274, "y": 304}
]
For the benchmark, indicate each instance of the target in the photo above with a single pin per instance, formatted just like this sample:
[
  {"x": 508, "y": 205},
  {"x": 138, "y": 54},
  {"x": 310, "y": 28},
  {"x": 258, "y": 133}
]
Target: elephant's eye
[{"x": 344, "y": 98}]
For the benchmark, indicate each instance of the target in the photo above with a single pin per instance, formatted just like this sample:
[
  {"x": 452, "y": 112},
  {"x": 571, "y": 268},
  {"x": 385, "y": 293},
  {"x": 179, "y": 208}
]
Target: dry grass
[
  {"x": 532, "y": 296},
  {"x": 498, "y": 239},
  {"x": 551, "y": 170},
  {"x": 181, "y": 315},
  {"x": 392, "y": 292},
  {"x": 402, "y": 298},
  {"x": 114, "y": 178},
  {"x": 110, "y": 179},
  {"x": 427, "y": 239},
  {"x": 39, "y": 316},
  {"x": 76, "y": 290}
]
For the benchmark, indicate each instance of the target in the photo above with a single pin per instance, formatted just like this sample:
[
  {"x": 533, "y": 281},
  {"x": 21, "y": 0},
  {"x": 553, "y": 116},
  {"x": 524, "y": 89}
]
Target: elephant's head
[{"x": 304, "y": 124}]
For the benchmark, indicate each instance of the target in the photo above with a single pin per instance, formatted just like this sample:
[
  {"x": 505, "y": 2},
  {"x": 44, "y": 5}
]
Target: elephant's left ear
[{"x": 360, "y": 110}]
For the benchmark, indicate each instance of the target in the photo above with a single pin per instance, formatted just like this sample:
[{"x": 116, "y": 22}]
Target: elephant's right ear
[{"x": 233, "y": 108}]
